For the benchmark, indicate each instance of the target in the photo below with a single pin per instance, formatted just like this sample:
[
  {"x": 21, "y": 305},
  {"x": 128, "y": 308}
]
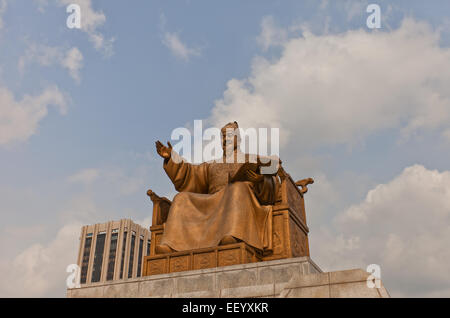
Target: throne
[{"x": 288, "y": 234}]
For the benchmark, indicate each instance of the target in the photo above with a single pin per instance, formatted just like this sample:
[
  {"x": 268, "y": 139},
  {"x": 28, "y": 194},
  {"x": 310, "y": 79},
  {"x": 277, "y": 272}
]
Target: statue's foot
[
  {"x": 228, "y": 239},
  {"x": 163, "y": 249}
]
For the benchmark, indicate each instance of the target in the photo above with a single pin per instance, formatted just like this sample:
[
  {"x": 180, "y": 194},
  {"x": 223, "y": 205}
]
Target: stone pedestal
[
  {"x": 230, "y": 254},
  {"x": 293, "y": 277}
]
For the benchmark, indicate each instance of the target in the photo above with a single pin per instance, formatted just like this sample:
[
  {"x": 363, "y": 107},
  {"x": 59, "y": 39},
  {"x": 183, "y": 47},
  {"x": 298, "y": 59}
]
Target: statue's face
[{"x": 229, "y": 139}]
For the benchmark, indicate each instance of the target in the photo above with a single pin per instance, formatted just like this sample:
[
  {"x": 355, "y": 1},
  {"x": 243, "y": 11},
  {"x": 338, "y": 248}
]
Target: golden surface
[{"x": 265, "y": 214}]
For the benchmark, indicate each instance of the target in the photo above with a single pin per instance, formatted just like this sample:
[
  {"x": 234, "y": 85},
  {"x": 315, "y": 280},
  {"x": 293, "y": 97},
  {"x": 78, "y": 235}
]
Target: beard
[{"x": 229, "y": 150}]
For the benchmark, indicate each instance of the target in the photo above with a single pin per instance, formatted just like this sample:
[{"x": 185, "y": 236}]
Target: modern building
[{"x": 112, "y": 251}]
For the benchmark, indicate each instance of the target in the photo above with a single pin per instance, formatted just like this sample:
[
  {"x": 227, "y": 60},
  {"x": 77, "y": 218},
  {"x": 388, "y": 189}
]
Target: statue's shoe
[
  {"x": 228, "y": 239},
  {"x": 163, "y": 249}
]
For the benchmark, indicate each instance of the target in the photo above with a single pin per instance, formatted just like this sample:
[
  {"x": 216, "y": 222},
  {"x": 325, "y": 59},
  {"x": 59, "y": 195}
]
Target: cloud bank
[
  {"x": 340, "y": 88},
  {"x": 337, "y": 89},
  {"x": 404, "y": 226},
  {"x": 40, "y": 269}
]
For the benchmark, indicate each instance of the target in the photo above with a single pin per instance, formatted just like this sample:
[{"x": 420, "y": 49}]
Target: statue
[{"x": 210, "y": 209}]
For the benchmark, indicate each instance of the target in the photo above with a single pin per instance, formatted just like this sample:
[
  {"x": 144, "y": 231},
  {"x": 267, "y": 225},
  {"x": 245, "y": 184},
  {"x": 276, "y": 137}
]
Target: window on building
[
  {"x": 148, "y": 247},
  {"x": 141, "y": 248},
  {"x": 130, "y": 264},
  {"x": 85, "y": 259},
  {"x": 98, "y": 257},
  {"x": 122, "y": 262},
  {"x": 112, "y": 256}
]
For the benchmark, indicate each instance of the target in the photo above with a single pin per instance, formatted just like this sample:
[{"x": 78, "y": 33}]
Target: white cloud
[
  {"x": 404, "y": 226},
  {"x": 354, "y": 8},
  {"x": 271, "y": 34},
  {"x": 85, "y": 176},
  {"x": 19, "y": 120},
  {"x": 71, "y": 59},
  {"x": 36, "y": 253},
  {"x": 17, "y": 237},
  {"x": 176, "y": 46},
  {"x": 34, "y": 257},
  {"x": 146, "y": 222},
  {"x": 91, "y": 21},
  {"x": 337, "y": 89},
  {"x": 116, "y": 180},
  {"x": 40, "y": 270},
  {"x": 124, "y": 182}
]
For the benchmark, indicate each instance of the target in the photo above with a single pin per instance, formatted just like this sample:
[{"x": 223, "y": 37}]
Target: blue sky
[{"x": 140, "y": 69}]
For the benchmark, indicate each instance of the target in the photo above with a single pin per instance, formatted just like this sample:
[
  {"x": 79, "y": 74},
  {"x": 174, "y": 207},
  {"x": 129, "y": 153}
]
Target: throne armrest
[
  {"x": 284, "y": 181},
  {"x": 304, "y": 184},
  {"x": 161, "y": 206},
  {"x": 291, "y": 194}
]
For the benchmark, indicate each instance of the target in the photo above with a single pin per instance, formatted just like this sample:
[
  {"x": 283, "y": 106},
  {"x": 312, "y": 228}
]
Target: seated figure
[{"x": 209, "y": 209}]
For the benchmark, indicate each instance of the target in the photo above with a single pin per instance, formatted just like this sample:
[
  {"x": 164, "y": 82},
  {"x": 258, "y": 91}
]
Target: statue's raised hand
[{"x": 162, "y": 150}]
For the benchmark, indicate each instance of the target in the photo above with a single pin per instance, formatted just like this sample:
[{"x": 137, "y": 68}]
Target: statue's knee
[
  {"x": 240, "y": 186},
  {"x": 181, "y": 196}
]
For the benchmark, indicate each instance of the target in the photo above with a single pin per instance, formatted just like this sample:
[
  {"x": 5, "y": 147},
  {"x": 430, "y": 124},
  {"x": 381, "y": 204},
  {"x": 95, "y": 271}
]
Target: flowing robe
[{"x": 208, "y": 207}]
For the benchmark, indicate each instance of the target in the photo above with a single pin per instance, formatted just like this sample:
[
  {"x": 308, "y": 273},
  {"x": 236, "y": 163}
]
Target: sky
[{"x": 365, "y": 112}]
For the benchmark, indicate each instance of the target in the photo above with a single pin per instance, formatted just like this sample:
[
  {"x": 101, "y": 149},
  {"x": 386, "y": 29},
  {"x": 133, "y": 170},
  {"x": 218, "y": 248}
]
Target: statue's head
[{"x": 230, "y": 136}]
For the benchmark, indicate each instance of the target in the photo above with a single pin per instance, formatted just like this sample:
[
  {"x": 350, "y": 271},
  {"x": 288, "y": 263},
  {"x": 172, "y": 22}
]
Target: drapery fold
[{"x": 208, "y": 207}]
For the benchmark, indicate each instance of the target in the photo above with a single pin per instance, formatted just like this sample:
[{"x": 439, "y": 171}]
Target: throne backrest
[{"x": 290, "y": 195}]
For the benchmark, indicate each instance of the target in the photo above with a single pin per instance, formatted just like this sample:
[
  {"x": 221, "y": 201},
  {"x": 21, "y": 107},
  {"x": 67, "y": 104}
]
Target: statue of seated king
[
  {"x": 211, "y": 209},
  {"x": 236, "y": 209}
]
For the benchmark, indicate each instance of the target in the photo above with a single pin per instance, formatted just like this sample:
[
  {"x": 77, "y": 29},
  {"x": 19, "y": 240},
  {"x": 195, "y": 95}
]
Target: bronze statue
[{"x": 210, "y": 209}]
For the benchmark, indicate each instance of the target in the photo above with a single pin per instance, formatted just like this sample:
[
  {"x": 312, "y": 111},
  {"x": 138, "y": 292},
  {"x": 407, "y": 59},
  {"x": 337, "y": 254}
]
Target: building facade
[{"x": 112, "y": 251}]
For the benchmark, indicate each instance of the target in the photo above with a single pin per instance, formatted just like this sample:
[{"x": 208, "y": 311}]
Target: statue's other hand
[
  {"x": 254, "y": 177},
  {"x": 152, "y": 195},
  {"x": 162, "y": 150}
]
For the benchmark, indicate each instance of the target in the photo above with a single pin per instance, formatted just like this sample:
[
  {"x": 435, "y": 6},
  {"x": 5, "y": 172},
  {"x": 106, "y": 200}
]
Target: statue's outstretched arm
[{"x": 184, "y": 175}]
